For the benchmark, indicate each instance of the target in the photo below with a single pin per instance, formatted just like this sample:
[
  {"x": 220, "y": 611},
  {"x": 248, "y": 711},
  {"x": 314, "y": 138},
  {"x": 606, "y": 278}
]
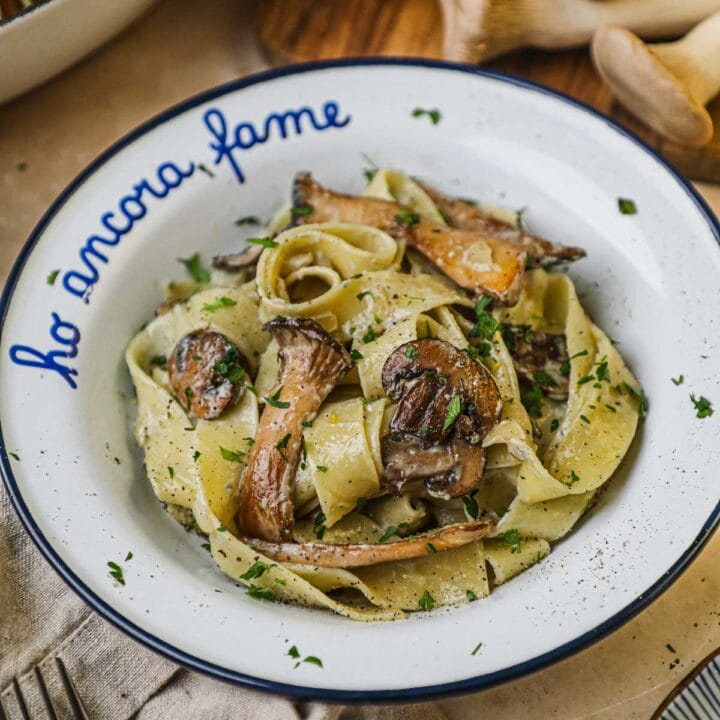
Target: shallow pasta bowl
[{"x": 177, "y": 185}]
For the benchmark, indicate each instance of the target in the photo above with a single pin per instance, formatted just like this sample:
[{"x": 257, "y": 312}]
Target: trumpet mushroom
[
  {"x": 362, "y": 555},
  {"x": 447, "y": 403},
  {"x": 238, "y": 261},
  {"x": 667, "y": 85},
  {"x": 453, "y": 251},
  {"x": 311, "y": 363},
  {"x": 477, "y": 30},
  {"x": 207, "y": 372},
  {"x": 465, "y": 216}
]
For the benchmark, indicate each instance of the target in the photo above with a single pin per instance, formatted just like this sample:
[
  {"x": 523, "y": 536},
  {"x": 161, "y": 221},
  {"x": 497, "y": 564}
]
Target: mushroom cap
[
  {"x": 207, "y": 372},
  {"x": 645, "y": 86},
  {"x": 426, "y": 376}
]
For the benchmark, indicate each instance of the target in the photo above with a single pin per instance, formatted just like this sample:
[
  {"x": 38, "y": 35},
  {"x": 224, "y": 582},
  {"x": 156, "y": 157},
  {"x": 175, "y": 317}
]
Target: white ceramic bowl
[
  {"x": 49, "y": 36},
  {"x": 651, "y": 280}
]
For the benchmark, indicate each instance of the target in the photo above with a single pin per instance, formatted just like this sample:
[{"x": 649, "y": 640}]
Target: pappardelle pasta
[{"x": 390, "y": 402}]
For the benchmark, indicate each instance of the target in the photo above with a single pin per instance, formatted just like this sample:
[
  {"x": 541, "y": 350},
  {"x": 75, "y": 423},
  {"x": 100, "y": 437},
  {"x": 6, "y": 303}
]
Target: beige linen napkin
[{"x": 41, "y": 618}]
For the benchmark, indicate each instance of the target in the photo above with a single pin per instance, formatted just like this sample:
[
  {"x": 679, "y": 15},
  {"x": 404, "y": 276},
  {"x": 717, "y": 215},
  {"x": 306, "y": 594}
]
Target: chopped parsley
[
  {"x": 256, "y": 570},
  {"x": 574, "y": 477},
  {"x": 642, "y": 401},
  {"x": 229, "y": 367},
  {"x": 293, "y": 652},
  {"x": 52, "y": 277},
  {"x": 679, "y": 380},
  {"x": 431, "y": 549},
  {"x": 407, "y": 218},
  {"x": 129, "y": 556},
  {"x": 370, "y": 335},
  {"x": 321, "y": 468},
  {"x": 319, "y": 526},
  {"x": 512, "y": 538},
  {"x": 195, "y": 268},
  {"x": 486, "y": 325},
  {"x": 585, "y": 379},
  {"x": 454, "y": 411},
  {"x": 264, "y": 241},
  {"x": 196, "y": 455},
  {"x": 480, "y": 351},
  {"x": 471, "y": 506},
  {"x": 356, "y": 355},
  {"x": 471, "y": 596},
  {"x": 435, "y": 115},
  {"x": 532, "y": 400},
  {"x": 248, "y": 220},
  {"x": 626, "y": 206},
  {"x": 306, "y": 423},
  {"x": 565, "y": 366},
  {"x": 221, "y": 302},
  {"x": 313, "y": 660},
  {"x": 602, "y": 372},
  {"x": 391, "y": 531},
  {"x": 426, "y": 602},
  {"x": 361, "y": 295},
  {"x": 204, "y": 168},
  {"x": 554, "y": 425},
  {"x": 702, "y": 405},
  {"x": 283, "y": 443},
  {"x": 14, "y": 455},
  {"x": 221, "y": 528},
  {"x": 261, "y": 593},
  {"x": 303, "y": 210},
  {"x": 585, "y": 419},
  {"x": 275, "y": 400},
  {"x": 206, "y": 546},
  {"x": 411, "y": 352},
  {"x": 232, "y": 455},
  {"x": 544, "y": 379},
  {"x": 477, "y": 647},
  {"x": 171, "y": 472},
  {"x": 158, "y": 360},
  {"x": 116, "y": 572}
]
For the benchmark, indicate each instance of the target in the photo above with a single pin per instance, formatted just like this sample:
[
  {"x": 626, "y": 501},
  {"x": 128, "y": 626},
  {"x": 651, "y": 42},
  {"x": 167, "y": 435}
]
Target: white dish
[
  {"x": 50, "y": 36},
  {"x": 500, "y": 140}
]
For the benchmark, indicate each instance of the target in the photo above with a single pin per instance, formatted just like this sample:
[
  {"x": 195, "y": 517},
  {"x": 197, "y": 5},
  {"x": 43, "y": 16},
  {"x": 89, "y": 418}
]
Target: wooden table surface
[{"x": 183, "y": 47}]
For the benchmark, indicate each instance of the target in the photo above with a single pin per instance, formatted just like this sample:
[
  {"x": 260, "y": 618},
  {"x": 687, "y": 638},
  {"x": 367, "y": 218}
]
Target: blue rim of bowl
[{"x": 299, "y": 692}]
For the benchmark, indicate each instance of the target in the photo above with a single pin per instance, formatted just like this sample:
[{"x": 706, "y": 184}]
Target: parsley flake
[
  {"x": 313, "y": 660},
  {"x": 702, "y": 405},
  {"x": 435, "y": 115},
  {"x": 426, "y": 602},
  {"x": 280, "y": 444},
  {"x": 319, "y": 525},
  {"x": 356, "y": 355},
  {"x": 232, "y": 455},
  {"x": 221, "y": 302},
  {"x": 471, "y": 596},
  {"x": 52, "y": 277},
  {"x": 626, "y": 206},
  {"x": 293, "y": 652},
  {"x": 471, "y": 506},
  {"x": 275, "y": 401},
  {"x": 477, "y": 647},
  {"x": 116, "y": 572},
  {"x": 454, "y": 411},
  {"x": 256, "y": 570},
  {"x": 195, "y": 268},
  {"x": 261, "y": 593},
  {"x": 370, "y": 335},
  {"x": 264, "y": 241},
  {"x": 486, "y": 325},
  {"x": 411, "y": 352},
  {"x": 392, "y": 530},
  {"x": 303, "y": 210},
  {"x": 679, "y": 380},
  {"x": 431, "y": 549},
  {"x": 248, "y": 220},
  {"x": 407, "y": 218},
  {"x": 512, "y": 538}
]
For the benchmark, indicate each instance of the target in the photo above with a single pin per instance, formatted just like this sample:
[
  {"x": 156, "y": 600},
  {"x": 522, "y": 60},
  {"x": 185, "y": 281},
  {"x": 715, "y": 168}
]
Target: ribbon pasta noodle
[{"x": 357, "y": 422}]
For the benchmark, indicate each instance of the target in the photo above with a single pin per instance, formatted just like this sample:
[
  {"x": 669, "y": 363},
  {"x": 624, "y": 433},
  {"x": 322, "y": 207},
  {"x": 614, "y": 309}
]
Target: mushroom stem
[
  {"x": 667, "y": 85},
  {"x": 311, "y": 363},
  {"x": 477, "y": 30},
  {"x": 362, "y": 555}
]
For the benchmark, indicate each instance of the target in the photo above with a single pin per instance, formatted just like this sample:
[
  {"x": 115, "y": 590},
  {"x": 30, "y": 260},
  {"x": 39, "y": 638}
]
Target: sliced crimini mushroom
[
  {"x": 361, "y": 555},
  {"x": 238, "y": 261},
  {"x": 467, "y": 216},
  {"x": 540, "y": 358},
  {"x": 207, "y": 372},
  {"x": 311, "y": 363},
  {"x": 460, "y": 254},
  {"x": 447, "y": 403}
]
